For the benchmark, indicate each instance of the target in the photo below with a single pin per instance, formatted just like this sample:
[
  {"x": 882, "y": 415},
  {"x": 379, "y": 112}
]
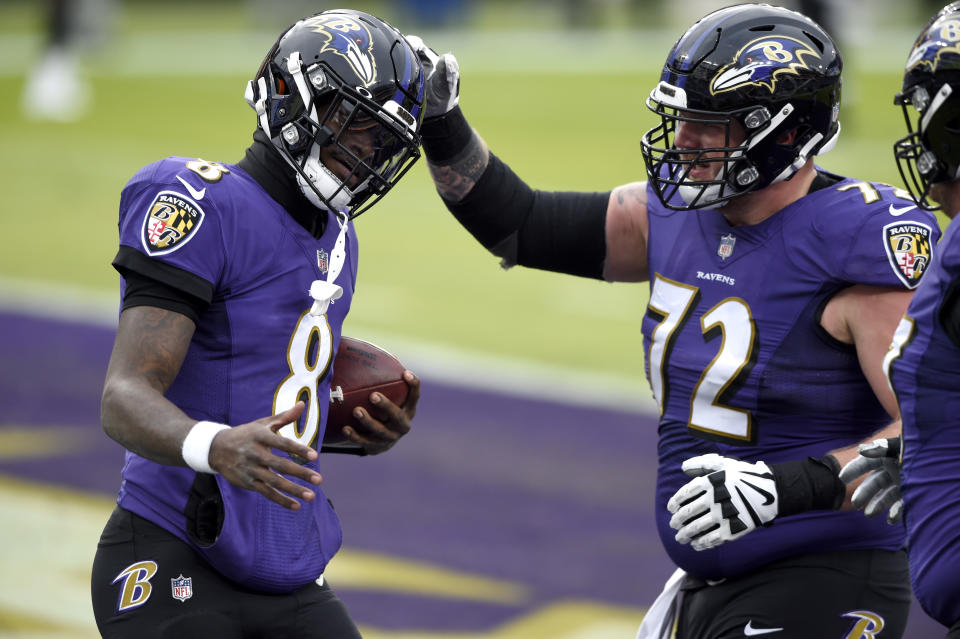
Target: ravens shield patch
[
  {"x": 171, "y": 221},
  {"x": 908, "y": 249}
]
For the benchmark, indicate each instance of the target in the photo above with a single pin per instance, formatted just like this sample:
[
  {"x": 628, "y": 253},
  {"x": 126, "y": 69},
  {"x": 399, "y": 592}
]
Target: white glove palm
[
  {"x": 726, "y": 499},
  {"x": 443, "y": 78},
  {"x": 881, "y": 489}
]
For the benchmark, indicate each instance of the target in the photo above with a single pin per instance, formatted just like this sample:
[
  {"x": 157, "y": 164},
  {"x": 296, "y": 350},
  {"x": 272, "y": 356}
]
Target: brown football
[{"x": 359, "y": 369}]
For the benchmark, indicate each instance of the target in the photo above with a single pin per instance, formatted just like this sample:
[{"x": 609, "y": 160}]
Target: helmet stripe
[{"x": 408, "y": 70}]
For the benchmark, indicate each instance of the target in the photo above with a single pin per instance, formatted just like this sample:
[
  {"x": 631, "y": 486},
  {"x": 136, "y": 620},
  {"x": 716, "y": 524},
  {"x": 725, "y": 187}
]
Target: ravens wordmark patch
[
  {"x": 908, "y": 249},
  {"x": 171, "y": 220}
]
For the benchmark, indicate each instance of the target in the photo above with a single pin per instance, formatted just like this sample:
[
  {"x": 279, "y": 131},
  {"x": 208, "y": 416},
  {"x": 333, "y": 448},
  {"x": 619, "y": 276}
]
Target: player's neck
[
  {"x": 756, "y": 207},
  {"x": 947, "y": 194}
]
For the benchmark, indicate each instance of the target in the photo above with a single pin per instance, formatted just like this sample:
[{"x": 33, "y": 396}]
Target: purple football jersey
[
  {"x": 257, "y": 349},
  {"x": 739, "y": 364},
  {"x": 925, "y": 374}
]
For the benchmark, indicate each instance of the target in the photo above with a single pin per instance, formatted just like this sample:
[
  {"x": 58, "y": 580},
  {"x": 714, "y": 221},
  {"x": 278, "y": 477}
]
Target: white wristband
[{"x": 196, "y": 445}]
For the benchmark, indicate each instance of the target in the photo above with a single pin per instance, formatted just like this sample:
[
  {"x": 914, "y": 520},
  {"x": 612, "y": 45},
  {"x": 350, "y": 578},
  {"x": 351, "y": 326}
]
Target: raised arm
[{"x": 599, "y": 235}]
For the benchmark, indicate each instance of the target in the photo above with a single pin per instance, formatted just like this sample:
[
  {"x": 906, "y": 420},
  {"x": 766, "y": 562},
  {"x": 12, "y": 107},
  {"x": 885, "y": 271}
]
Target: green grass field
[{"x": 566, "y": 113}]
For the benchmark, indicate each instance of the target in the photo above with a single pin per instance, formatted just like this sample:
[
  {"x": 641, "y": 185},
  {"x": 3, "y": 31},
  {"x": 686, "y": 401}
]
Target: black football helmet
[
  {"x": 341, "y": 97},
  {"x": 759, "y": 71},
  {"x": 930, "y": 152}
]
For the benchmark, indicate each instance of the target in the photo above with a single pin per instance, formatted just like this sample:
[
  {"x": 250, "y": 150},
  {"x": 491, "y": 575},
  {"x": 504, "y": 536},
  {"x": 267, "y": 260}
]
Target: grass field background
[{"x": 565, "y": 109}]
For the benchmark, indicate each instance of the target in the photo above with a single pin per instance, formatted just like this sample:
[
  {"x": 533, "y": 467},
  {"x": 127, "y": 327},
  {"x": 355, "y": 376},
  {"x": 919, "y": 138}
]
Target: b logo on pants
[
  {"x": 136, "y": 585},
  {"x": 868, "y": 624}
]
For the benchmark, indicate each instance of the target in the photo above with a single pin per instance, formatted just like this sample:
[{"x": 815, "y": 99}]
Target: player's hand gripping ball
[{"x": 360, "y": 368}]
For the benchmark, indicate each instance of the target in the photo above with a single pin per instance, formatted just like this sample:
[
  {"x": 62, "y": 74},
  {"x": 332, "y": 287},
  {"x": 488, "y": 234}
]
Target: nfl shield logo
[
  {"x": 725, "y": 249},
  {"x": 181, "y": 587},
  {"x": 323, "y": 259}
]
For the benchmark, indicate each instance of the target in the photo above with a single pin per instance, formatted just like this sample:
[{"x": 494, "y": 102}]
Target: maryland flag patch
[
  {"x": 908, "y": 249},
  {"x": 171, "y": 221}
]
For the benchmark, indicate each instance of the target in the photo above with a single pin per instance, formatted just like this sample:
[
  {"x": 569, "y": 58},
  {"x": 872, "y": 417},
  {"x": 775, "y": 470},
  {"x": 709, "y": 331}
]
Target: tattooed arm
[
  {"x": 149, "y": 350},
  {"x": 627, "y": 229},
  {"x": 150, "y": 346},
  {"x": 557, "y": 234},
  {"x": 455, "y": 177},
  {"x": 599, "y": 235}
]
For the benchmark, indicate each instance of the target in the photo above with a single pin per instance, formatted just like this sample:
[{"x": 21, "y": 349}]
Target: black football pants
[
  {"x": 863, "y": 594},
  {"x": 148, "y": 584}
]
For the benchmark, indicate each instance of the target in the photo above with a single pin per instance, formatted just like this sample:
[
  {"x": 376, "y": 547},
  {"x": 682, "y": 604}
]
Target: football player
[
  {"x": 775, "y": 287},
  {"x": 236, "y": 282},
  {"x": 924, "y": 361}
]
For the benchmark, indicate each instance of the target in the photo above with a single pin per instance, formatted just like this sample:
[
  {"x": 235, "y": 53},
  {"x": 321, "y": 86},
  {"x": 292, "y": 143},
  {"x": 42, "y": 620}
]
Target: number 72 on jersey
[{"x": 730, "y": 319}]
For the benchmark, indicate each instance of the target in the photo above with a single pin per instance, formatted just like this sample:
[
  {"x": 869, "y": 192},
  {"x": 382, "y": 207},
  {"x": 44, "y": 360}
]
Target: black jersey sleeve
[{"x": 152, "y": 283}]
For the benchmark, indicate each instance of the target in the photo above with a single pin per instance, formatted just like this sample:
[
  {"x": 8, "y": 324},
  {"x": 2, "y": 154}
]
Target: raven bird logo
[
  {"x": 762, "y": 62},
  {"x": 349, "y": 39},
  {"x": 939, "y": 49}
]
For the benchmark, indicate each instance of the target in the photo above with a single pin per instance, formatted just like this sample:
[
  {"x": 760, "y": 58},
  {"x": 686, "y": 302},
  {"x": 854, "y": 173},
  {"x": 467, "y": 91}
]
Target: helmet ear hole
[
  {"x": 787, "y": 138},
  {"x": 953, "y": 126}
]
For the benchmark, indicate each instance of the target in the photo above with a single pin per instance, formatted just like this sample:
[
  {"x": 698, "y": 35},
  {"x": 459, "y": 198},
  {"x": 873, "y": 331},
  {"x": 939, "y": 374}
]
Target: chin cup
[{"x": 334, "y": 192}]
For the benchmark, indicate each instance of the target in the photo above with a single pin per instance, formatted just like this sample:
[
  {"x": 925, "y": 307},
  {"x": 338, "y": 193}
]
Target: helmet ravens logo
[
  {"x": 941, "y": 48},
  {"x": 348, "y": 38},
  {"x": 761, "y": 62}
]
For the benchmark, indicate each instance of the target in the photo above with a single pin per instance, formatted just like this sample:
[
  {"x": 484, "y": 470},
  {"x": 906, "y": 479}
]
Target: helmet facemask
[
  {"x": 670, "y": 167},
  {"x": 752, "y": 154},
  {"x": 919, "y": 166}
]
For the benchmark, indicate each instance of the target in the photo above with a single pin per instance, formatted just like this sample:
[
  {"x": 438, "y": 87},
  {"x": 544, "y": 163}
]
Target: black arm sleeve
[
  {"x": 446, "y": 136},
  {"x": 554, "y": 231},
  {"x": 808, "y": 484},
  {"x": 152, "y": 283},
  {"x": 950, "y": 312}
]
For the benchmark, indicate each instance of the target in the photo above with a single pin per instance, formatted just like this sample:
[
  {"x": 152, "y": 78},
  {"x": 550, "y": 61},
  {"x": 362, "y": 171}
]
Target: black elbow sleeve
[
  {"x": 554, "y": 231},
  {"x": 808, "y": 484},
  {"x": 496, "y": 207}
]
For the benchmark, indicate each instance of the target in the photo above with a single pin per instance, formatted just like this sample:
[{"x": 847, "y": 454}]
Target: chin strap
[
  {"x": 295, "y": 69},
  {"x": 320, "y": 179},
  {"x": 324, "y": 293},
  {"x": 260, "y": 104}
]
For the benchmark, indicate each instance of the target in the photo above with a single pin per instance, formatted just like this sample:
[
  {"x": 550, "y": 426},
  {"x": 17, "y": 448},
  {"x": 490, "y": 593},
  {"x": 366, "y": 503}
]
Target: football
[{"x": 360, "y": 368}]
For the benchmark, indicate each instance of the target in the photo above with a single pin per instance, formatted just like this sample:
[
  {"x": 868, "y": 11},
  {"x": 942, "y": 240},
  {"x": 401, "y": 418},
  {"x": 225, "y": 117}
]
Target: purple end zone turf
[{"x": 552, "y": 497}]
